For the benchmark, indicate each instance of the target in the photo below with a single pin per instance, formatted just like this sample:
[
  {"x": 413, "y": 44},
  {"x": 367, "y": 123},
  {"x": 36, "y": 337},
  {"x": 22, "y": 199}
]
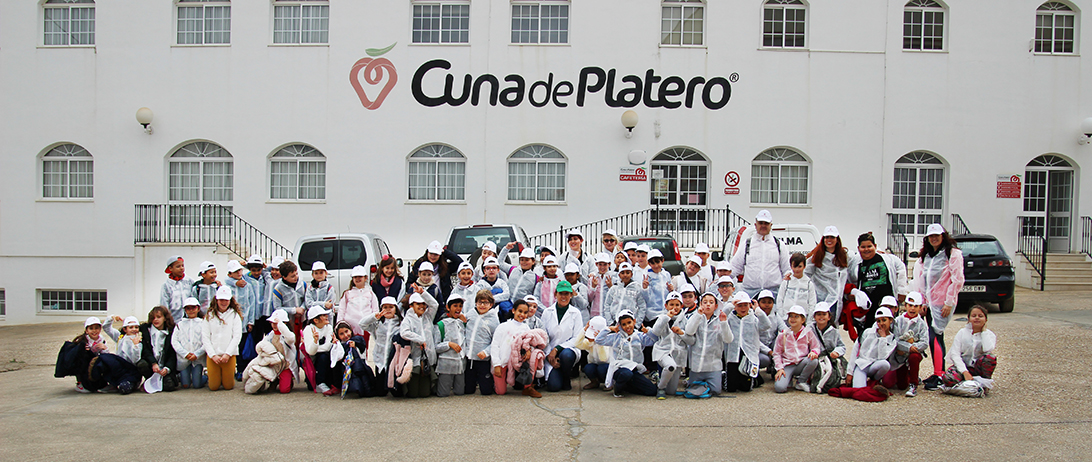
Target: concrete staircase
[{"x": 1065, "y": 271}]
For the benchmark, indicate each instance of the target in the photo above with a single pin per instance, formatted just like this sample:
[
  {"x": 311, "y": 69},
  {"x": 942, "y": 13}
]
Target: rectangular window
[
  {"x": 3, "y": 303},
  {"x": 206, "y": 24},
  {"x": 69, "y": 25},
  {"x": 1054, "y": 32},
  {"x": 540, "y": 23},
  {"x": 301, "y": 24},
  {"x": 783, "y": 27},
  {"x": 441, "y": 23},
  {"x": 923, "y": 30},
  {"x": 72, "y": 301},
  {"x": 444, "y": 181},
  {"x": 290, "y": 180},
  {"x": 536, "y": 181},
  {"x": 68, "y": 178},
  {"x": 682, "y": 24},
  {"x": 779, "y": 184}
]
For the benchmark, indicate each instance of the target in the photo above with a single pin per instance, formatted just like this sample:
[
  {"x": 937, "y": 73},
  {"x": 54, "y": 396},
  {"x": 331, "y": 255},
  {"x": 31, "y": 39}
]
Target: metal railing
[
  {"x": 203, "y": 224},
  {"x": 688, "y": 226},
  {"x": 958, "y": 226},
  {"x": 897, "y": 243},
  {"x": 1086, "y": 236},
  {"x": 1032, "y": 244}
]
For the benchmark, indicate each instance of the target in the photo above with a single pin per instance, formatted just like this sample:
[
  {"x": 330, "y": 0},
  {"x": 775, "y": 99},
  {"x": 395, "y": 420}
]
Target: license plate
[{"x": 973, "y": 289}]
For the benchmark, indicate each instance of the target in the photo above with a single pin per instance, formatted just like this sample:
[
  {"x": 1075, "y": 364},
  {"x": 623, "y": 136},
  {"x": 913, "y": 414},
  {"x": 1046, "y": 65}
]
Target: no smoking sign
[{"x": 731, "y": 179}]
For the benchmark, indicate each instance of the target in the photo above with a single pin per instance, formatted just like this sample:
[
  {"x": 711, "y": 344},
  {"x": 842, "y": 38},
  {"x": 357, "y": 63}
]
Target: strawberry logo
[{"x": 374, "y": 68}]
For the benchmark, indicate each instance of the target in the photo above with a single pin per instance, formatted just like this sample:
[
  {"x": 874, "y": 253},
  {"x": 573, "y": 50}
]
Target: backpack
[
  {"x": 747, "y": 248},
  {"x": 699, "y": 389}
]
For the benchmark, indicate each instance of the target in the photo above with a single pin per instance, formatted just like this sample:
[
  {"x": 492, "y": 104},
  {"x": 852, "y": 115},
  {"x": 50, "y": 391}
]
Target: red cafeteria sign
[{"x": 1008, "y": 187}]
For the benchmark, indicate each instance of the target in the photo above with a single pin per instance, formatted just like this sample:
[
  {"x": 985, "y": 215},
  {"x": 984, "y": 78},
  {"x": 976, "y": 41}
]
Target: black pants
[
  {"x": 323, "y": 371},
  {"x": 479, "y": 374},
  {"x": 735, "y": 381}
]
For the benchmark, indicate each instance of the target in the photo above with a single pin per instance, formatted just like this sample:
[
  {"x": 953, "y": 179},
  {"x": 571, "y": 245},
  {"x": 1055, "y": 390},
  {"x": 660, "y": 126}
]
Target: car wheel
[{"x": 1007, "y": 304}]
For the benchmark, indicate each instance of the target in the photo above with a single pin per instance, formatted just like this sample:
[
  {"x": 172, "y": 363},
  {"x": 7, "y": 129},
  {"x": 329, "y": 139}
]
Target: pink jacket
[
  {"x": 790, "y": 348},
  {"x": 535, "y": 340},
  {"x": 947, "y": 288}
]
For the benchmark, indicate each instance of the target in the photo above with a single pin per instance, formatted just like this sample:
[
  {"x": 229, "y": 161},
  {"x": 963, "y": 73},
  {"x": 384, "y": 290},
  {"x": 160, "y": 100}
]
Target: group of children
[{"x": 619, "y": 318}]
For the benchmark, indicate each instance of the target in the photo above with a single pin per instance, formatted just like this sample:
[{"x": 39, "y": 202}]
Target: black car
[
  {"x": 666, "y": 245},
  {"x": 987, "y": 271}
]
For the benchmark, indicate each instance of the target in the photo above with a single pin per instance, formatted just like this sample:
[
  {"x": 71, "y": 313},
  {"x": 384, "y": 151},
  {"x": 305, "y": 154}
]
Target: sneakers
[
  {"x": 81, "y": 389},
  {"x": 331, "y": 392},
  {"x": 804, "y": 387},
  {"x": 912, "y": 391},
  {"x": 660, "y": 394},
  {"x": 654, "y": 377},
  {"x": 618, "y": 393},
  {"x": 591, "y": 385},
  {"x": 530, "y": 391},
  {"x": 931, "y": 383},
  {"x": 322, "y": 388},
  {"x": 238, "y": 376}
]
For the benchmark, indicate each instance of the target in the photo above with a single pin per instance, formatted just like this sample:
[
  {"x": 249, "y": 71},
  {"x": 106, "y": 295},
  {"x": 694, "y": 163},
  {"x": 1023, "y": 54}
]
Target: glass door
[
  {"x": 1048, "y": 201},
  {"x": 679, "y": 191},
  {"x": 918, "y": 196}
]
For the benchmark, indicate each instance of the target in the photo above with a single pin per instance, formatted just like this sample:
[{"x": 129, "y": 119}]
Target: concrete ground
[{"x": 1040, "y": 409}]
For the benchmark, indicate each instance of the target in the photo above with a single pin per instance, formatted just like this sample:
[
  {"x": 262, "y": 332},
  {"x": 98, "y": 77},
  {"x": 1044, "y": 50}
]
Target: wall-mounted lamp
[
  {"x": 629, "y": 120},
  {"x": 144, "y": 117},
  {"x": 1086, "y": 132},
  {"x": 637, "y": 157}
]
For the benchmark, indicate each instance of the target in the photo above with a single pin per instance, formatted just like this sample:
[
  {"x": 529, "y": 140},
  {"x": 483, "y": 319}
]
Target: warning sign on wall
[{"x": 1009, "y": 186}]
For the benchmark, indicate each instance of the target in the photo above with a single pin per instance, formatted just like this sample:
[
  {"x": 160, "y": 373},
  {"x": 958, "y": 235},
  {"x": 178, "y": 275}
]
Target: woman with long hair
[
  {"x": 938, "y": 275},
  {"x": 828, "y": 268}
]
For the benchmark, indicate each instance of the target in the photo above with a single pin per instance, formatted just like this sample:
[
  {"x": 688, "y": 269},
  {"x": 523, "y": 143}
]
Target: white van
[
  {"x": 796, "y": 238},
  {"x": 340, "y": 253}
]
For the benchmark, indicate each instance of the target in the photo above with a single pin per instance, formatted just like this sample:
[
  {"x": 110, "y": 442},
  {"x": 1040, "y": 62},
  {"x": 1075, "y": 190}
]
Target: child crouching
[
  {"x": 347, "y": 355},
  {"x": 628, "y": 352}
]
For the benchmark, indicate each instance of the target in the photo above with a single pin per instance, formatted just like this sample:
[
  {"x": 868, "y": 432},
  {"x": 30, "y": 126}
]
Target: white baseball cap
[
  {"x": 255, "y": 260},
  {"x": 610, "y": 232},
  {"x": 602, "y": 257},
  {"x": 190, "y": 301},
  {"x": 455, "y": 296},
  {"x": 694, "y": 259},
  {"x": 491, "y": 261},
  {"x": 701, "y": 248},
  {"x": 571, "y": 268},
  {"x": 548, "y": 248},
  {"x": 889, "y": 301},
  {"x": 764, "y": 215},
  {"x": 171, "y": 259},
  {"x": 574, "y": 232},
  {"x": 883, "y": 312},
  {"x": 316, "y": 311},
  {"x": 205, "y": 266},
  {"x": 723, "y": 265},
  {"x": 527, "y": 253},
  {"x": 416, "y": 298},
  {"x": 654, "y": 253},
  {"x": 464, "y": 266},
  {"x": 765, "y": 294},
  {"x": 425, "y": 266},
  {"x": 490, "y": 246},
  {"x": 687, "y": 288},
  {"x": 643, "y": 248},
  {"x": 130, "y": 321},
  {"x": 797, "y": 309},
  {"x": 630, "y": 245},
  {"x": 673, "y": 296},
  {"x": 531, "y": 299},
  {"x": 830, "y": 231},
  {"x": 318, "y": 265},
  {"x": 223, "y": 293},
  {"x": 92, "y": 321},
  {"x": 914, "y": 298},
  {"x": 934, "y": 228},
  {"x": 625, "y": 266},
  {"x": 740, "y": 297},
  {"x": 595, "y": 326},
  {"x": 550, "y": 260},
  {"x": 233, "y": 266},
  {"x": 359, "y": 270},
  {"x": 622, "y": 313},
  {"x": 277, "y": 260},
  {"x": 435, "y": 247},
  {"x": 388, "y": 301},
  {"x": 278, "y": 316},
  {"x": 821, "y": 307},
  {"x": 726, "y": 280}
]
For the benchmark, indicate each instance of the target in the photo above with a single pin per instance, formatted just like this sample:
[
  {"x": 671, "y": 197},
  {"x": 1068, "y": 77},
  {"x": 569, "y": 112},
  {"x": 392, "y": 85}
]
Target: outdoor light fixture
[
  {"x": 1086, "y": 132},
  {"x": 144, "y": 117},
  {"x": 629, "y": 120},
  {"x": 637, "y": 157}
]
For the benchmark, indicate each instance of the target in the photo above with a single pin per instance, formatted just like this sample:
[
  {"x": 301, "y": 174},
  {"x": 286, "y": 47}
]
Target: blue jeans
[
  {"x": 193, "y": 376},
  {"x": 596, "y": 372},
  {"x": 559, "y": 378},
  {"x": 632, "y": 382}
]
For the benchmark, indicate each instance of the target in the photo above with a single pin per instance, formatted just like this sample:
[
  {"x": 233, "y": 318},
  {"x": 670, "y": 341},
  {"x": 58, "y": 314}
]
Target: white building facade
[{"x": 404, "y": 118}]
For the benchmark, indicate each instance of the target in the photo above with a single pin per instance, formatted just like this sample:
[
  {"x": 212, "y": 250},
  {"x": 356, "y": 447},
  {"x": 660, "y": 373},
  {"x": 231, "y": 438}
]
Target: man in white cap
[
  {"x": 877, "y": 275},
  {"x": 610, "y": 241},
  {"x": 762, "y": 258},
  {"x": 692, "y": 274},
  {"x": 444, "y": 263}
]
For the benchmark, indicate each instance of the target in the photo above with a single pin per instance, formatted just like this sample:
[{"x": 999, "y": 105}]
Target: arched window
[
  {"x": 783, "y": 23},
  {"x": 297, "y": 172},
  {"x": 1055, "y": 28},
  {"x": 536, "y": 173},
  {"x": 68, "y": 22},
  {"x": 204, "y": 22},
  {"x": 68, "y": 172},
  {"x": 923, "y": 25},
  {"x": 779, "y": 176},
  {"x": 918, "y": 196},
  {"x": 682, "y": 22},
  {"x": 298, "y": 22},
  {"x": 437, "y": 172},
  {"x": 200, "y": 172}
]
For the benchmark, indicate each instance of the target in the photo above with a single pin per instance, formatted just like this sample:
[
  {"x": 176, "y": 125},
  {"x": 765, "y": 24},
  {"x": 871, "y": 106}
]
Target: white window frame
[
  {"x": 3, "y": 303},
  {"x": 780, "y": 159},
  {"x": 924, "y": 8},
  {"x": 69, "y": 155},
  {"x": 674, "y": 21},
  {"x": 783, "y": 5},
  {"x": 538, "y": 20},
  {"x": 205, "y": 6},
  {"x": 87, "y": 297},
  {"x": 317, "y": 35},
  {"x": 541, "y": 156},
  {"x": 906, "y": 208},
  {"x": 446, "y": 17},
  {"x": 298, "y": 156},
  {"x": 203, "y": 152},
  {"x": 1052, "y": 9},
  {"x": 85, "y": 7},
  {"x": 436, "y": 154}
]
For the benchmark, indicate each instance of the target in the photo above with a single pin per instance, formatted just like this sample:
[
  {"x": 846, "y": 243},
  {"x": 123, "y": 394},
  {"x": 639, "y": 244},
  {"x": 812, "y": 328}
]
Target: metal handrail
[
  {"x": 897, "y": 243},
  {"x": 1086, "y": 236},
  {"x": 958, "y": 226},
  {"x": 203, "y": 224},
  {"x": 687, "y": 225},
  {"x": 1032, "y": 244}
]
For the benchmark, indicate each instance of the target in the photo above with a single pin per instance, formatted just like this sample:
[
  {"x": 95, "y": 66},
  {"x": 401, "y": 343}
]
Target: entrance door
[
  {"x": 1048, "y": 199},
  {"x": 679, "y": 191},
  {"x": 918, "y": 196}
]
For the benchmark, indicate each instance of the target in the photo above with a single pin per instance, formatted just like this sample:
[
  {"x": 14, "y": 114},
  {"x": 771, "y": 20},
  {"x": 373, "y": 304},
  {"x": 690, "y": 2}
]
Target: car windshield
[
  {"x": 467, "y": 240},
  {"x": 979, "y": 248},
  {"x": 663, "y": 245}
]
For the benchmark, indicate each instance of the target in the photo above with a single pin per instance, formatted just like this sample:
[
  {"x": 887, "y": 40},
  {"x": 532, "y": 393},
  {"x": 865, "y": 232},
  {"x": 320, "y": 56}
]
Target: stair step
[
  {"x": 1065, "y": 286},
  {"x": 1069, "y": 265},
  {"x": 1082, "y": 271},
  {"x": 1062, "y": 277},
  {"x": 1067, "y": 257}
]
